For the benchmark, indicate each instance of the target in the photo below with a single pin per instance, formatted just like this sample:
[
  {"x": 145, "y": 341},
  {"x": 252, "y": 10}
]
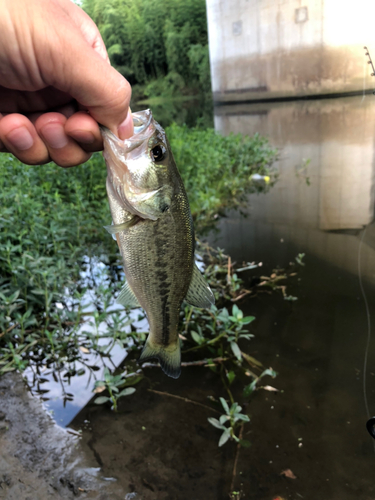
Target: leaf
[
  {"x": 225, "y": 405},
  {"x": 99, "y": 389},
  {"x": 247, "y": 320},
  {"x": 236, "y": 312},
  {"x": 126, "y": 392},
  {"x": 241, "y": 416},
  {"x": 224, "y": 437},
  {"x": 117, "y": 379},
  {"x": 249, "y": 389},
  {"x": 246, "y": 336},
  {"x": 224, "y": 418},
  {"x": 196, "y": 337},
  {"x": 231, "y": 376},
  {"x": 235, "y": 408},
  {"x": 269, "y": 372},
  {"x": 236, "y": 350},
  {"x": 101, "y": 400},
  {"x": 223, "y": 315},
  {"x": 288, "y": 473},
  {"x": 132, "y": 380},
  {"x": 270, "y": 388},
  {"x": 216, "y": 423}
]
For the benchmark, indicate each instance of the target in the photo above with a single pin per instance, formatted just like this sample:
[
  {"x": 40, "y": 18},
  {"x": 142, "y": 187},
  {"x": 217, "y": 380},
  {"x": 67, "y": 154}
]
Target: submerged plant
[{"x": 113, "y": 384}]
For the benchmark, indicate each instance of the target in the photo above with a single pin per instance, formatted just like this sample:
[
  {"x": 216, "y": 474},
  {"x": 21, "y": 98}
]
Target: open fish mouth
[
  {"x": 141, "y": 121},
  {"x": 133, "y": 171},
  {"x": 143, "y": 130}
]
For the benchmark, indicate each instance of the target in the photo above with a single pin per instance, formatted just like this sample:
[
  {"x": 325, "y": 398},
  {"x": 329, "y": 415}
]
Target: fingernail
[
  {"x": 54, "y": 135},
  {"x": 126, "y": 129},
  {"x": 83, "y": 136},
  {"x": 20, "y": 138}
]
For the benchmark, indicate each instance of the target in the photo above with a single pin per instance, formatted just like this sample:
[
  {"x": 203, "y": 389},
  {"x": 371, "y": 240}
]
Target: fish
[{"x": 154, "y": 230}]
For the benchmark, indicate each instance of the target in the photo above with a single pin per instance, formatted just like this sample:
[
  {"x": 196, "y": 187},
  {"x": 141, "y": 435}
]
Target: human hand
[{"x": 56, "y": 84}]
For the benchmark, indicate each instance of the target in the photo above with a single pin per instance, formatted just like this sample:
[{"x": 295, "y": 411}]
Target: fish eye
[{"x": 158, "y": 153}]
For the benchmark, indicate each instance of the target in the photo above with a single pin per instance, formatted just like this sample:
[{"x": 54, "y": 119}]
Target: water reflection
[
  {"x": 322, "y": 205},
  {"x": 66, "y": 386},
  {"x": 325, "y": 190}
]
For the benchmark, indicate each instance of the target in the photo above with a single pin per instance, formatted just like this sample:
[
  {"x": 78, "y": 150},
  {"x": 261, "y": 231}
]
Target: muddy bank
[{"x": 38, "y": 459}]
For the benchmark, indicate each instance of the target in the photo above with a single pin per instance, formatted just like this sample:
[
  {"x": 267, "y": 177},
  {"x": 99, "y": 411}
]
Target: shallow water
[
  {"x": 159, "y": 447},
  {"x": 67, "y": 390}
]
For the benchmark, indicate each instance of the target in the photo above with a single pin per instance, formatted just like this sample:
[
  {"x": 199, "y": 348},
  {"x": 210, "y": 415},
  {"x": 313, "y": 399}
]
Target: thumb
[{"x": 80, "y": 70}]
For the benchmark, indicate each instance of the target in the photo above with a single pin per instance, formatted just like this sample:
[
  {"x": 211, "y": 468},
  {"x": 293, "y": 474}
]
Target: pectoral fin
[
  {"x": 199, "y": 293},
  {"x": 116, "y": 228},
  {"x": 127, "y": 297}
]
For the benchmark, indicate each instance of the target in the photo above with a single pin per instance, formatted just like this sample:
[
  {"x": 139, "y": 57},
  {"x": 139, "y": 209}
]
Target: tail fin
[{"x": 169, "y": 357}]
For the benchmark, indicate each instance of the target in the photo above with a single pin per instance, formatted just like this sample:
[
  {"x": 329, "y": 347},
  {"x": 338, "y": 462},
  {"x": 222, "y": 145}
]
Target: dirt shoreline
[{"x": 38, "y": 459}]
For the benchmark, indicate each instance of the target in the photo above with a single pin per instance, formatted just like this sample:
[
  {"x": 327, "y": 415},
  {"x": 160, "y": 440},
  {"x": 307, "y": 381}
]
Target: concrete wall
[{"x": 285, "y": 48}]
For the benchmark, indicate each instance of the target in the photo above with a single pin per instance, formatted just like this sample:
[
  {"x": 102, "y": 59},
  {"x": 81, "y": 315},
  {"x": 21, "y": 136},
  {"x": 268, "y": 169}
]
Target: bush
[{"x": 51, "y": 219}]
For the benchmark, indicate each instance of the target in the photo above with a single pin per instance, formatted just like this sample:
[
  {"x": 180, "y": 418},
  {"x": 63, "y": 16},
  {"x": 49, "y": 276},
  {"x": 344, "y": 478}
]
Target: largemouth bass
[{"x": 154, "y": 231}]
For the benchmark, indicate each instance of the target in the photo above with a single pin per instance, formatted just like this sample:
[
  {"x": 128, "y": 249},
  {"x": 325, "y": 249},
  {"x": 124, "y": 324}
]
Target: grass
[{"x": 60, "y": 271}]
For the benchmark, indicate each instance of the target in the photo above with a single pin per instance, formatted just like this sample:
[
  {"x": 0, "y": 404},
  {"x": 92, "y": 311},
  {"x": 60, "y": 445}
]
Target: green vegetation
[
  {"x": 60, "y": 270},
  {"x": 234, "y": 418},
  {"x": 113, "y": 384},
  {"x": 52, "y": 218},
  {"x": 217, "y": 170},
  {"x": 160, "y": 47}
]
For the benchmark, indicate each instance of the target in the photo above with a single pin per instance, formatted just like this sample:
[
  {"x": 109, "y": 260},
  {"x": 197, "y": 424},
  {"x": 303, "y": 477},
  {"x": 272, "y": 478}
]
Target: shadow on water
[{"x": 309, "y": 439}]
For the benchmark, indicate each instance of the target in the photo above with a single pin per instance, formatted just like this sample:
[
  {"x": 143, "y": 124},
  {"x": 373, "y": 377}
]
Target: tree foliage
[{"x": 161, "y": 46}]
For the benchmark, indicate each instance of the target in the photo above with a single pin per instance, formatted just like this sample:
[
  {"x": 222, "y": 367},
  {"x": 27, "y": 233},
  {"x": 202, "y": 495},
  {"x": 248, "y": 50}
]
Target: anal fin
[
  {"x": 199, "y": 293},
  {"x": 127, "y": 297}
]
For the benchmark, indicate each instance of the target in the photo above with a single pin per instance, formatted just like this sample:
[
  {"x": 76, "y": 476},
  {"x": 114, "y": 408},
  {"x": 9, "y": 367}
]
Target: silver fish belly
[{"x": 154, "y": 231}]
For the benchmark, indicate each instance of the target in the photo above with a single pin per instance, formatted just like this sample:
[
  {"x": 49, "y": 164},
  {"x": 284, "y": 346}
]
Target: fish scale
[{"x": 158, "y": 269}]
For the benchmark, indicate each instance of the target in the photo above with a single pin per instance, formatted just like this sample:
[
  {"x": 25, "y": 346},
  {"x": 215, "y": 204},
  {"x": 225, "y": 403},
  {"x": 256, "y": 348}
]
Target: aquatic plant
[
  {"x": 60, "y": 271},
  {"x": 113, "y": 384},
  {"x": 233, "y": 418}
]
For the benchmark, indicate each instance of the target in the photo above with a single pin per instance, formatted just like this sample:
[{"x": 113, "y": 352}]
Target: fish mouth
[
  {"x": 141, "y": 121},
  {"x": 143, "y": 130}
]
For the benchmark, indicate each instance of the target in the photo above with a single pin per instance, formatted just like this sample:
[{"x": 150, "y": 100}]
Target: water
[
  {"x": 320, "y": 206},
  {"x": 159, "y": 447},
  {"x": 66, "y": 389}
]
